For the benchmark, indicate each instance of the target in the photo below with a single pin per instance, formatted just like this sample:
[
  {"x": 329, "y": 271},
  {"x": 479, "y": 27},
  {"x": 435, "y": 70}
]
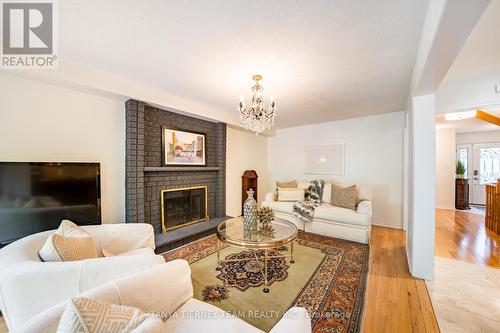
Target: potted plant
[{"x": 460, "y": 169}]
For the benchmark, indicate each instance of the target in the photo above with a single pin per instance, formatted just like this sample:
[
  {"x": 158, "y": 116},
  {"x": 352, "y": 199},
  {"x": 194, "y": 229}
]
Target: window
[
  {"x": 463, "y": 157},
  {"x": 489, "y": 165}
]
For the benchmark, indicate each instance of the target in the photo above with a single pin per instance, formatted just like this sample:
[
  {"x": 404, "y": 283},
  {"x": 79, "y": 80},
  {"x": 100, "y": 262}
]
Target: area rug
[
  {"x": 247, "y": 271},
  {"x": 328, "y": 279},
  {"x": 465, "y": 296}
]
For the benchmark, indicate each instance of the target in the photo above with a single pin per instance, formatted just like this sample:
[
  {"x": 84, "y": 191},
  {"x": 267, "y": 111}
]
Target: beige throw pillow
[
  {"x": 286, "y": 184},
  {"x": 69, "y": 242},
  {"x": 85, "y": 315},
  {"x": 344, "y": 196},
  {"x": 291, "y": 194}
]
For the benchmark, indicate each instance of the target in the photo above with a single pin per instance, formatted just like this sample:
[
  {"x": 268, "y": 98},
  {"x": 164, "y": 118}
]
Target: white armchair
[
  {"x": 155, "y": 290},
  {"x": 29, "y": 286}
]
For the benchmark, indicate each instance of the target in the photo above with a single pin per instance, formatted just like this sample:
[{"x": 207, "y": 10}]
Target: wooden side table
[
  {"x": 462, "y": 193},
  {"x": 248, "y": 181}
]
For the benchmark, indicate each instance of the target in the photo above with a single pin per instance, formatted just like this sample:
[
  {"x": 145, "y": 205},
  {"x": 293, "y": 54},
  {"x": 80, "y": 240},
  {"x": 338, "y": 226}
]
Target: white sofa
[
  {"x": 28, "y": 286},
  {"x": 167, "y": 290},
  {"x": 329, "y": 220}
]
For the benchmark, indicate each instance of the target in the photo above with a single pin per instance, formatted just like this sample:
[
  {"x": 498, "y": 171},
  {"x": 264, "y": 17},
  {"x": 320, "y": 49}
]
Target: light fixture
[
  {"x": 460, "y": 115},
  {"x": 257, "y": 117}
]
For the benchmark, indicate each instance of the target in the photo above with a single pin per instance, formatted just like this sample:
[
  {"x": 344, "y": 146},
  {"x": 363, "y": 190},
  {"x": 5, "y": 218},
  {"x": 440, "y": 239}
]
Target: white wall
[
  {"x": 422, "y": 187},
  {"x": 374, "y": 155},
  {"x": 469, "y": 93},
  {"x": 445, "y": 168},
  {"x": 478, "y": 137},
  {"x": 244, "y": 151},
  {"x": 42, "y": 122}
]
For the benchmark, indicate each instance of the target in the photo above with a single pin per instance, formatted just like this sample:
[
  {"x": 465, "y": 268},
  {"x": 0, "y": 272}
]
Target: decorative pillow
[
  {"x": 69, "y": 242},
  {"x": 344, "y": 196},
  {"x": 85, "y": 315},
  {"x": 286, "y": 184},
  {"x": 327, "y": 193},
  {"x": 291, "y": 194}
]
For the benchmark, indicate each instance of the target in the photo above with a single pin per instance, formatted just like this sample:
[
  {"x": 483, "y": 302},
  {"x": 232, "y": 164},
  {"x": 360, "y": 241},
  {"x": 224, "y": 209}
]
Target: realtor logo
[{"x": 28, "y": 32}]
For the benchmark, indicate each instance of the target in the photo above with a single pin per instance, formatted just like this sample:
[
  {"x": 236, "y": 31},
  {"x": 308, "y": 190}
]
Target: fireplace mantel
[{"x": 172, "y": 169}]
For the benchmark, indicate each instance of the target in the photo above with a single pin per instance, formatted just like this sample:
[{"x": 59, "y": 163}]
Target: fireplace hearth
[{"x": 183, "y": 206}]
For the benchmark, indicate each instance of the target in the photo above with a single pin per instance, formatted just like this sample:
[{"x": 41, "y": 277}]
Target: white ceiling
[
  {"x": 479, "y": 56},
  {"x": 468, "y": 125},
  {"x": 322, "y": 60},
  {"x": 481, "y": 53}
]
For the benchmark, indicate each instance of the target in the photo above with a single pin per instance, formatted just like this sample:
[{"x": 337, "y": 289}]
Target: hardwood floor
[
  {"x": 396, "y": 302},
  {"x": 462, "y": 235}
]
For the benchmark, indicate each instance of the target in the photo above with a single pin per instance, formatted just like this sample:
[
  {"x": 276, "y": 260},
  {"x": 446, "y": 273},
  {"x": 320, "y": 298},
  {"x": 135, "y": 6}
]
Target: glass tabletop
[{"x": 232, "y": 232}]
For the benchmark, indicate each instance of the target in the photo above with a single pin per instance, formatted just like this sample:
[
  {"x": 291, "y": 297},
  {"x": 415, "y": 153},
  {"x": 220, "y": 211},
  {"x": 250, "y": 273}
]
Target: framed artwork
[
  {"x": 325, "y": 159},
  {"x": 183, "y": 148}
]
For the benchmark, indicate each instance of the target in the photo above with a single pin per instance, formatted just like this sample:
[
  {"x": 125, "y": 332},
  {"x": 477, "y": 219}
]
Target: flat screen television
[{"x": 36, "y": 197}]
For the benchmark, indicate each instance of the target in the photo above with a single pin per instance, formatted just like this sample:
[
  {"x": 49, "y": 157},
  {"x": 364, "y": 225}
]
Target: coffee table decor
[
  {"x": 266, "y": 217},
  {"x": 250, "y": 220},
  {"x": 260, "y": 242}
]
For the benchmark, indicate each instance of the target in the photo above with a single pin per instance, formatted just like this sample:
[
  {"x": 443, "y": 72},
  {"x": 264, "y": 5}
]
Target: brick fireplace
[{"x": 146, "y": 177}]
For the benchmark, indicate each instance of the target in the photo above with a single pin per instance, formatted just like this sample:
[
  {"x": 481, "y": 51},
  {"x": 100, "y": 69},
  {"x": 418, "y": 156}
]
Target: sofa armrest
[
  {"x": 167, "y": 287},
  {"x": 29, "y": 287},
  {"x": 295, "y": 320},
  {"x": 120, "y": 238},
  {"x": 270, "y": 196},
  {"x": 95, "y": 272},
  {"x": 164, "y": 295},
  {"x": 47, "y": 321},
  {"x": 365, "y": 208}
]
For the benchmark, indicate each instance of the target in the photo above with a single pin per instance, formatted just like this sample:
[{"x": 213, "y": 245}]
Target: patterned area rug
[
  {"x": 247, "y": 272},
  {"x": 328, "y": 279}
]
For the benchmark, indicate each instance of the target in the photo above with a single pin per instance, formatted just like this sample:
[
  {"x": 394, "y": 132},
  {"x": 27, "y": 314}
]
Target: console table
[
  {"x": 249, "y": 180},
  {"x": 462, "y": 193}
]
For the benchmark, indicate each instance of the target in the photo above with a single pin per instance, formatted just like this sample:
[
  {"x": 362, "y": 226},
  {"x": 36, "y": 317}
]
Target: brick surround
[{"x": 143, "y": 151}]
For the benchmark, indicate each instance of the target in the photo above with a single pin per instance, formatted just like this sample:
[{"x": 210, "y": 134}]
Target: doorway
[{"x": 482, "y": 166}]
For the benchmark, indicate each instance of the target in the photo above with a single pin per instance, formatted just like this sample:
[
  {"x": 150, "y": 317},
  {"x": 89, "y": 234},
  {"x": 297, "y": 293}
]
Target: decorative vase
[
  {"x": 250, "y": 212},
  {"x": 460, "y": 176}
]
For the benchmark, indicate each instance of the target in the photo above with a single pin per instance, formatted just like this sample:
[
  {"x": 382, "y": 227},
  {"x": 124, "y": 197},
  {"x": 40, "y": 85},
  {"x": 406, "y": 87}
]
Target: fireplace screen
[{"x": 180, "y": 207}]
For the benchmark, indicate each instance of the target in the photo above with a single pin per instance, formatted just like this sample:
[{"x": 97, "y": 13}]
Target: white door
[{"x": 485, "y": 169}]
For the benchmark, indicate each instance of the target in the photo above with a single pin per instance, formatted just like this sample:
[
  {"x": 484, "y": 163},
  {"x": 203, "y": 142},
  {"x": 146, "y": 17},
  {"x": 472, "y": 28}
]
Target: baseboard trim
[
  {"x": 448, "y": 208},
  {"x": 387, "y": 226},
  {"x": 408, "y": 259}
]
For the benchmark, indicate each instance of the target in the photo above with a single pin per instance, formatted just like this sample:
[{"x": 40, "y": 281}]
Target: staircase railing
[{"x": 492, "y": 219}]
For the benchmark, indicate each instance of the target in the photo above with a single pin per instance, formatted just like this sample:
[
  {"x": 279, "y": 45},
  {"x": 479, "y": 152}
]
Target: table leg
[
  {"x": 266, "y": 289},
  {"x": 218, "y": 255},
  {"x": 291, "y": 253}
]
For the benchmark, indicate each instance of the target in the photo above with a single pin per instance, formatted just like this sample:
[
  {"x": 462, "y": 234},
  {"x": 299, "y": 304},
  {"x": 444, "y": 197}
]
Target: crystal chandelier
[{"x": 257, "y": 117}]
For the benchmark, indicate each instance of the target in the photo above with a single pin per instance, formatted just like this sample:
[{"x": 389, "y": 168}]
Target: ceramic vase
[{"x": 250, "y": 212}]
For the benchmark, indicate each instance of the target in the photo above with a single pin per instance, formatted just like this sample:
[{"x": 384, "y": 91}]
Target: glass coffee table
[{"x": 232, "y": 233}]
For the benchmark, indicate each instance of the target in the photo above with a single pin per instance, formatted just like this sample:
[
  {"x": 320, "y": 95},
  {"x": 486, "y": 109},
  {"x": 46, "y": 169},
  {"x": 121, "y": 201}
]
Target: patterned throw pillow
[
  {"x": 291, "y": 194},
  {"x": 344, "y": 196},
  {"x": 69, "y": 242},
  {"x": 84, "y": 315},
  {"x": 286, "y": 184}
]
